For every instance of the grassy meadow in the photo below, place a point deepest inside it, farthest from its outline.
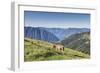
(36, 50)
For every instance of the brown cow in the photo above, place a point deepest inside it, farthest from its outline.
(59, 47)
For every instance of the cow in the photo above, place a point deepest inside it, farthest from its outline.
(59, 47)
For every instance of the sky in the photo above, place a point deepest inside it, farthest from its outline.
(56, 19)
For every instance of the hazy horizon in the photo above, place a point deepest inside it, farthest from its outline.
(56, 19)
(54, 27)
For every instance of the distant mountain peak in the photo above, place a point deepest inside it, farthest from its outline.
(59, 33)
(39, 34)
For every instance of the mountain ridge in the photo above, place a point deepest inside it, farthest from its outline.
(58, 33)
(40, 34)
(79, 42)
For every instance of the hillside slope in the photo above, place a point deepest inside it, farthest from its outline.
(36, 50)
(39, 34)
(61, 33)
(80, 42)
(51, 34)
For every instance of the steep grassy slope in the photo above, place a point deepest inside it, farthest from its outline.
(79, 42)
(35, 50)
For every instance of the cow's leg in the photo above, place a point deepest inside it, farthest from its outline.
(63, 48)
(60, 48)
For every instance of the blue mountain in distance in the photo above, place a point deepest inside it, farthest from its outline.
(39, 34)
(62, 33)
(51, 34)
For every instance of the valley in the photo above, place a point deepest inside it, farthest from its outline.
(42, 44)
